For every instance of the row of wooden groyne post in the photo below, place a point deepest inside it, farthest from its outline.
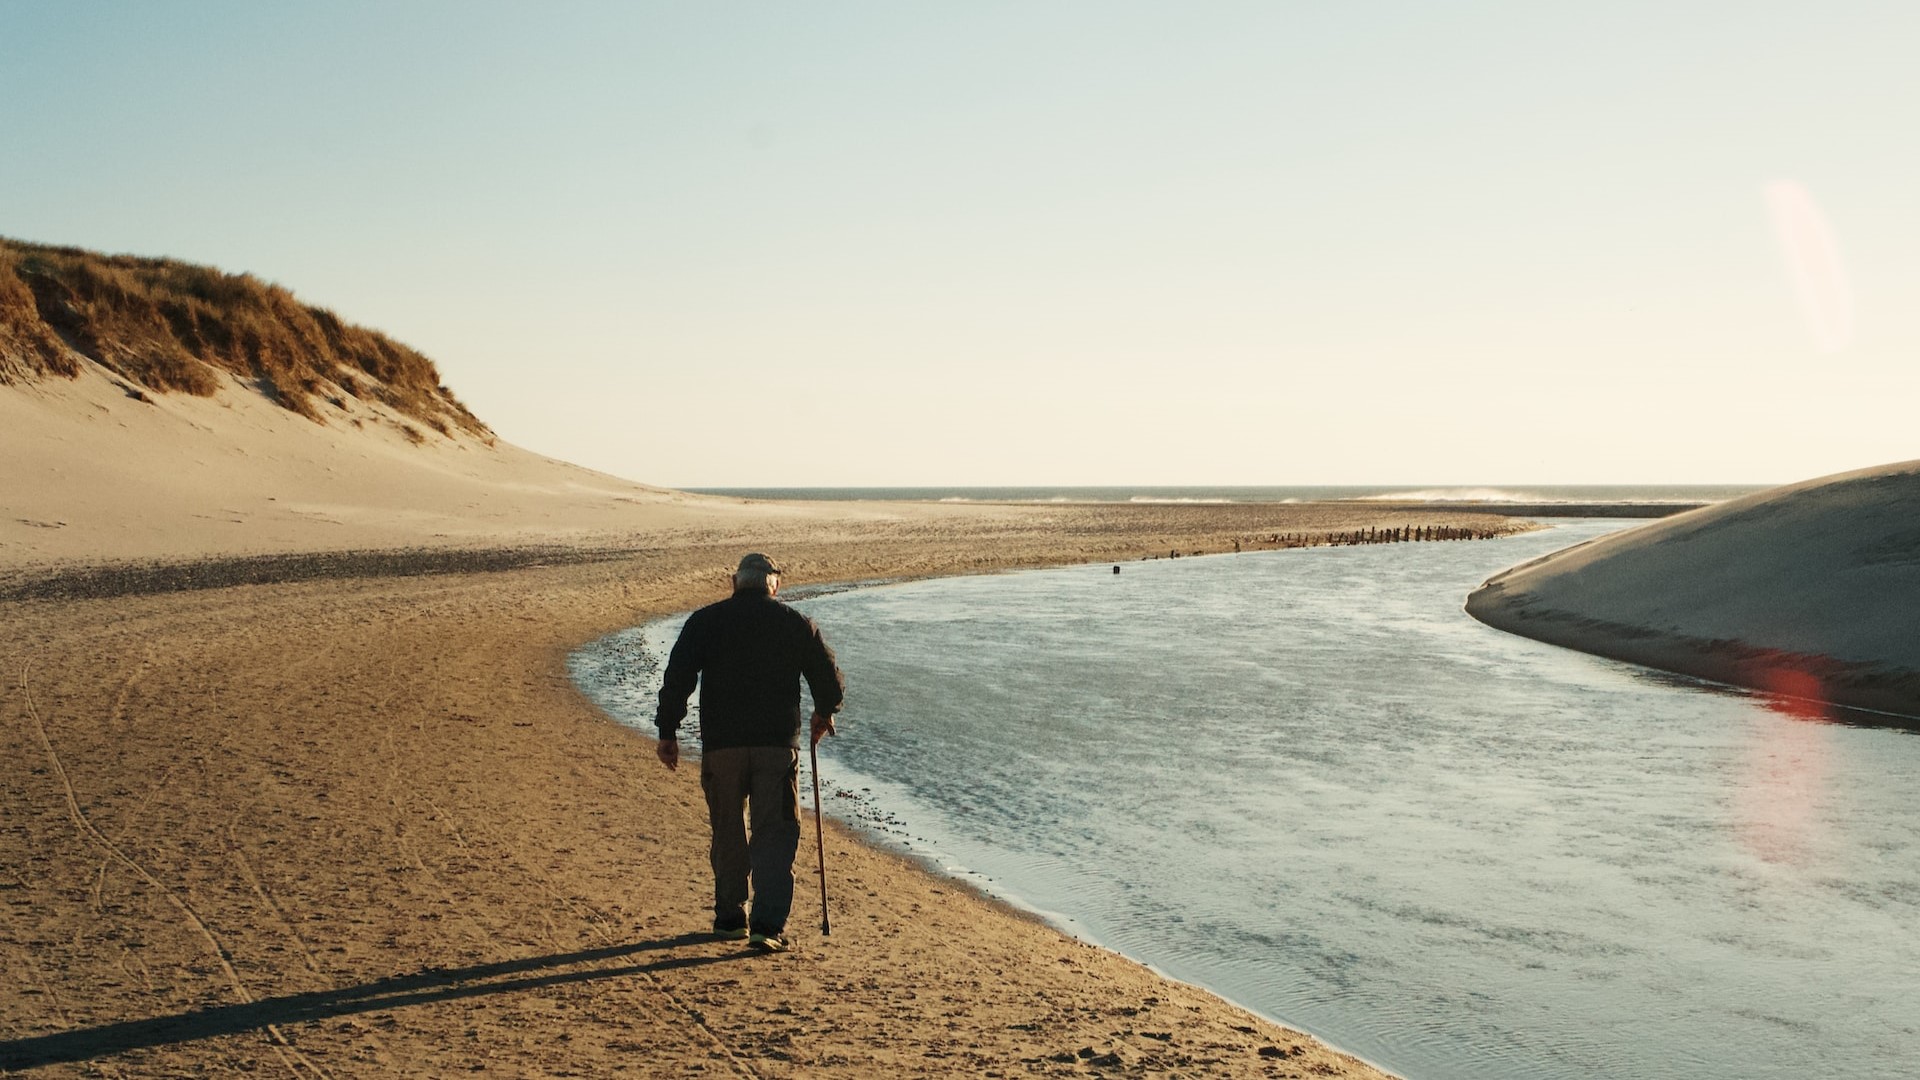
(1371, 535)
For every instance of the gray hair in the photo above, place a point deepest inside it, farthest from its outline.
(751, 578)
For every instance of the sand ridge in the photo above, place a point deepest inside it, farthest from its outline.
(1806, 591)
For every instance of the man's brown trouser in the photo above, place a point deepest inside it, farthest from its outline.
(761, 783)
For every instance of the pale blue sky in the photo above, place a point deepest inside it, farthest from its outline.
(882, 243)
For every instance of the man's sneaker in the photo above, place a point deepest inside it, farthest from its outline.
(768, 942)
(729, 933)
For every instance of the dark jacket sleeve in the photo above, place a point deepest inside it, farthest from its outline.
(683, 674)
(824, 681)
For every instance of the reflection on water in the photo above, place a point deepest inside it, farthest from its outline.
(1307, 780)
(1782, 779)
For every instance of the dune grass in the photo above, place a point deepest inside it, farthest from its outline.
(172, 327)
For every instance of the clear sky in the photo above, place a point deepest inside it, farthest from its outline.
(1381, 241)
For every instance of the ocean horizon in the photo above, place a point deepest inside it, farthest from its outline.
(1520, 494)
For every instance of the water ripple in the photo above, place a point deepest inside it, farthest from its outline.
(1306, 780)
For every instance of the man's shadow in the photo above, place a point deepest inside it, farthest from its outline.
(425, 987)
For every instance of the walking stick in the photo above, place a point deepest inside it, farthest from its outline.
(819, 834)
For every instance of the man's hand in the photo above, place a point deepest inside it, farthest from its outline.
(668, 751)
(822, 727)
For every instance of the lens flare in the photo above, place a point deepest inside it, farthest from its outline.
(1813, 262)
(1794, 691)
(1784, 778)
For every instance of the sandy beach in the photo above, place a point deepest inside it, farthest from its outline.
(325, 801)
(369, 825)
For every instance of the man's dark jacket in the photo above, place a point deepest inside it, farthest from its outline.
(748, 653)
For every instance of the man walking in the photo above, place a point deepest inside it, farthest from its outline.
(748, 653)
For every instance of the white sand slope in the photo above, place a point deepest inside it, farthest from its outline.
(92, 473)
(1810, 591)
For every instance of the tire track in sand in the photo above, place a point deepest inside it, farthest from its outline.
(238, 853)
(116, 716)
(398, 793)
(289, 1055)
(36, 977)
(596, 920)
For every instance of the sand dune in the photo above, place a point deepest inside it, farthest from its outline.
(96, 474)
(1810, 590)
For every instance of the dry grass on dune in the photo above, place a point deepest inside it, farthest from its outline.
(174, 327)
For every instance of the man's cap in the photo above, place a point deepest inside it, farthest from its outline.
(757, 563)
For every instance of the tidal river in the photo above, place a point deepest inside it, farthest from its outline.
(1308, 781)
